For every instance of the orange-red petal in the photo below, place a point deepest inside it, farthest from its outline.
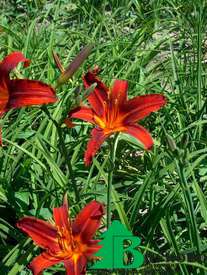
(96, 102)
(76, 266)
(100, 93)
(88, 221)
(43, 233)
(119, 92)
(25, 92)
(4, 95)
(91, 250)
(11, 61)
(141, 106)
(97, 138)
(62, 221)
(61, 216)
(42, 262)
(141, 134)
(83, 113)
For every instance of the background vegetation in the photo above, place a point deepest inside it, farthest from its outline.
(159, 46)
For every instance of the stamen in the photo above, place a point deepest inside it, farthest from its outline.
(105, 110)
(100, 122)
(113, 114)
(65, 239)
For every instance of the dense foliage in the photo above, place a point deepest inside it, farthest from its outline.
(159, 46)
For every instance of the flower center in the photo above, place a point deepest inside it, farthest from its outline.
(70, 246)
(109, 125)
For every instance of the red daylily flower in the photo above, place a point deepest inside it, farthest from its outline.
(68, 242)
(16, 93)
(112, 112)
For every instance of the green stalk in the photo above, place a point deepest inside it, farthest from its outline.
(63, 151)
(199, 105)
(189, 205)
(199, 62)
(113, 145)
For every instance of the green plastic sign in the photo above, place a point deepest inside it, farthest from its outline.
(119, 249)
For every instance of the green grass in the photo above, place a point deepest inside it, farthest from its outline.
(159, 47)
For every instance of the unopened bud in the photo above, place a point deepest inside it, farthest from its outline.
(74, 65)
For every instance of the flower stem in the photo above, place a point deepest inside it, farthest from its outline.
(113, 145)
(64, 152)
